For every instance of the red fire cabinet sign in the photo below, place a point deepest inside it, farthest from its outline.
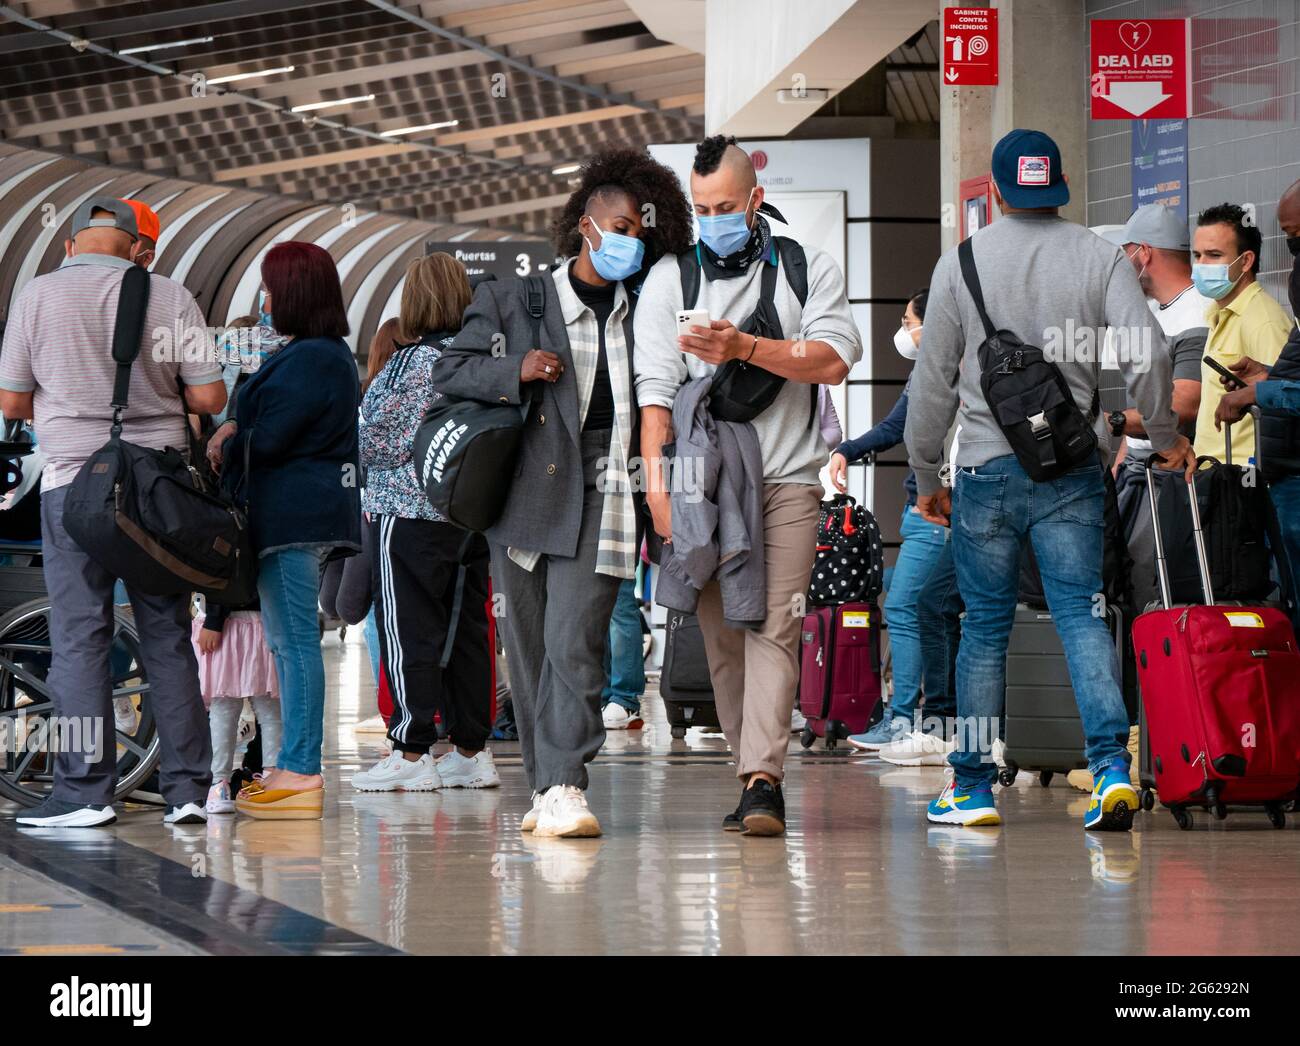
(1141, 68)
(970, 46)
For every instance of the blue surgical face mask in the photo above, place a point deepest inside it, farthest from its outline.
(263, 317)
(725, 234)
(1213, 281)
(618, 257)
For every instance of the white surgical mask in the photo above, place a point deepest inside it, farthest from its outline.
(903, 342)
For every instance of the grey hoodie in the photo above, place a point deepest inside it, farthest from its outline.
(1043, 278)
(717, 511)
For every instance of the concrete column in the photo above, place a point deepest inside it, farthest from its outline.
(965, 145)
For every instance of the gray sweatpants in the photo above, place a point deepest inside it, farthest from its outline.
(81, 635)
(555, 628)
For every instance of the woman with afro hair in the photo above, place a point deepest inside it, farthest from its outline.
(568, 535)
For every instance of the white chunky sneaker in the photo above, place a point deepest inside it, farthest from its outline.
(458, 771)
(565, 815)
(918, 749)
(616, 717)
(394, 773)
(529, 823)
(219, 799)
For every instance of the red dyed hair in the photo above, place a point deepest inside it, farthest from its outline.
(306, 298)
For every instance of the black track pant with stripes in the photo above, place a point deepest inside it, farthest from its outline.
(415, 570)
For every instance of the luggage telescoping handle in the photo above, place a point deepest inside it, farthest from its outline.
(1259, 443)
(1198, 538)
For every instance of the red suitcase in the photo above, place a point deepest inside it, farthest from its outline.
(1221, 696)
(839, 671)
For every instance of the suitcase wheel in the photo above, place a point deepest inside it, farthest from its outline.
(831, 742)
(1183, 817)
(807, 737)
(1045, 778)
(1006, 777)
(1276, 816)
(1147, 799)
(678, 732)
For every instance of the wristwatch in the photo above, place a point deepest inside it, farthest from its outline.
(1117, 421)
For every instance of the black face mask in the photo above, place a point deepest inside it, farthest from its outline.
(1293, 245)
(1293, 292)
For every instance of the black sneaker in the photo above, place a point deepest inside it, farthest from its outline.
(732, 822)
(762, 809)
(58, 813)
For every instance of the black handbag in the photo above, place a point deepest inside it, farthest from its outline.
(146, 515)
(465, 451)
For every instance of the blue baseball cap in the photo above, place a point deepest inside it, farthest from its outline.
(1027, 170)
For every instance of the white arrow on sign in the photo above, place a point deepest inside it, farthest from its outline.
(1136, 97)
(951, 75)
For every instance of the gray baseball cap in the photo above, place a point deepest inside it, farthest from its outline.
(123, 216)
(1155, 225)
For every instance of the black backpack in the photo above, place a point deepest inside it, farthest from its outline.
(850, 562)
(147, 516)
(463, 447)
(1028, 395)
(742, 391)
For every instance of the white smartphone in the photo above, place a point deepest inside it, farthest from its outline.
(688, 318)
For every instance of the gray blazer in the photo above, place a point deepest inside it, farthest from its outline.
(543, 511)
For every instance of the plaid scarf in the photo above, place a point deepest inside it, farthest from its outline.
(616, 552)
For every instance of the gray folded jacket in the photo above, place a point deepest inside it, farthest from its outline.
(716, 478)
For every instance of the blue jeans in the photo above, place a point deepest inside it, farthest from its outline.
(917, 653)
(938, 612)
(372, 642)
(994, 507)
(1286, 501)
(624, 663)
(287, 583)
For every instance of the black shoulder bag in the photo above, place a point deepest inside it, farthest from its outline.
(1028, 395)
(145, 515)
(463, 448)
(742, 391)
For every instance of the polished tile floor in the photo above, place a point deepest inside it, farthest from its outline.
(858, 872)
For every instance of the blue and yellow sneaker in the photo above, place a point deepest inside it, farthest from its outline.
(1114, 800)
(972, 808)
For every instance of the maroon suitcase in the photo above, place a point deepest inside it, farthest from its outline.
(839, 671)
(1220, 695)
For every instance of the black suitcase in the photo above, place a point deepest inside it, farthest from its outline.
(1043, 731)
(684, 682)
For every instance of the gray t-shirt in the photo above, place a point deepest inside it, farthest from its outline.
(58, 345)
(1183, 321)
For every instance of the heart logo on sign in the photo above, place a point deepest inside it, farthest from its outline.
(1134, 35)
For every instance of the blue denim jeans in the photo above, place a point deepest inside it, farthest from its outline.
(287, 583)
(995, 506)
(938, 612)
(917, 653)
(624, 664)
(372, 642)
(1286, 500)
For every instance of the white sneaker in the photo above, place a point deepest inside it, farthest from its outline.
(124, 716)
(457, 771)
(616, 717)
(797, 722)
(219, 799)
(529, 823)
(395, 773)
(190, 813)
(918, 749)
(565, 814)
(998, 750)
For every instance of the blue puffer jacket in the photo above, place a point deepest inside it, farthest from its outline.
(296, 418)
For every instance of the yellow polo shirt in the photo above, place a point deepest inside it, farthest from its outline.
(1253, 325)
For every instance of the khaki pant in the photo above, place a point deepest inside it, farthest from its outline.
(756, 672)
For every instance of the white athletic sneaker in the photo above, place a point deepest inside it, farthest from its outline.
(394, 773)
(219, 799)
(918, 749)
(457, 771)
(616, 717)
(190, 813)
(529, 822)
(124, 716)
(797, 721)
(998, 750)
(565, 814)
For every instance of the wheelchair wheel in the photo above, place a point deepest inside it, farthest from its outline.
(26, 764)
